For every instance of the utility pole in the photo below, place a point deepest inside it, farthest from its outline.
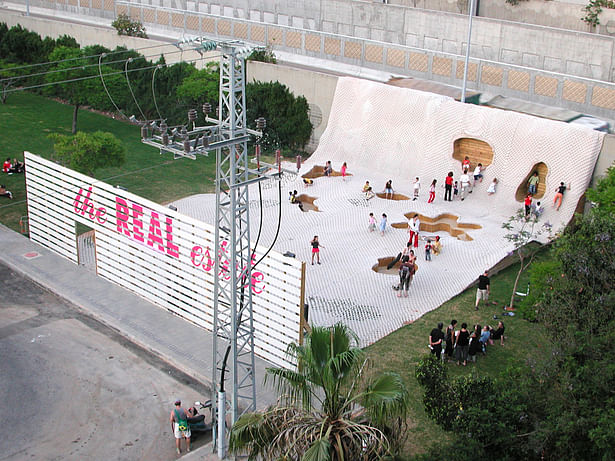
(227, 135)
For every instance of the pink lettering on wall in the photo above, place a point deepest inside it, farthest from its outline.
(87, 206)
(203, 260)
(144, 226)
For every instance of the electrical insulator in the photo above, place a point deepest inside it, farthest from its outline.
(206, 108)
(187, 145)
(205, 141)
(192, 115)
(165, 138)
(163, 127)
(261, 123)
(144, 132)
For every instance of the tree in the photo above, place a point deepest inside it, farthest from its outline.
(603, 195)
(70, 75)
(9, 76)
(200, 86)
(329, 411)
(263, 54)
(522, 232)
(288, 122)
(86, 152)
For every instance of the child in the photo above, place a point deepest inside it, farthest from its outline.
(383, 224)
(315, 249)
(432, 192)
(559, 195)
(308, 182)
(388, 189)
(528, 204)
(537, 209)
(428, 250)
(344, 172)
(328, 170)
(436, 247)
(478, 175)
(465, 165)
(367, 190)
(492, 186)
(455, 190)
(372, 223)
(417, 187)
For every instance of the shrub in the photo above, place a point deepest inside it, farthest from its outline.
(126, 26)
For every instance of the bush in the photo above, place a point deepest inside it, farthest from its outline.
(126, 26)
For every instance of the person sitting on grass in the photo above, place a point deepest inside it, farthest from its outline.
(5, 193)
(17, 167)
(485, 336)
(499, 333)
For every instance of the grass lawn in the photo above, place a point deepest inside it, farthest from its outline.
(401, 350)
(27, 119)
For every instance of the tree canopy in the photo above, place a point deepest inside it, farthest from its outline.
(86, 152)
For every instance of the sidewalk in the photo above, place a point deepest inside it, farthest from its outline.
(177, 341)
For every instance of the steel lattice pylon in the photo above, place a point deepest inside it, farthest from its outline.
(233, 330)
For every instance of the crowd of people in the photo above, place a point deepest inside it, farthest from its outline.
(464, 345)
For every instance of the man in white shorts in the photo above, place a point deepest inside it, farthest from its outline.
(482, 292)
(179, 426)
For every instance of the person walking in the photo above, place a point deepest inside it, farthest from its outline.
(316, 249)
(406, 270)
(432, 191)
(448, 187)
(559, 195)
(482, 291)
(436, 338)
(179, 426)
(532, 183)
(428, 248)
(372, 222)
(383, 224)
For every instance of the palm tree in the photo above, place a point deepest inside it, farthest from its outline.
(327, 410)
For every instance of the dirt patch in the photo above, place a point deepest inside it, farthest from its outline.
(395, 196)
(445, 222)
(318, 171)
(307, 203)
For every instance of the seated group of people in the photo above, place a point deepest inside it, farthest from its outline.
(15, 167)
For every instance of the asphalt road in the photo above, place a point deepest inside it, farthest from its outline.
(73, 389)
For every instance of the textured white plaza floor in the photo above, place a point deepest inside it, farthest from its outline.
(392, 133)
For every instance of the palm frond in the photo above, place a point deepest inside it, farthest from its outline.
(386, 398)
(319, 451)
(293, 386)
(250, 433)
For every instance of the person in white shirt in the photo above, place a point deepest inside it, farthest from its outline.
(478, 175)
(465, 184)
(417, 187)
(414, 226)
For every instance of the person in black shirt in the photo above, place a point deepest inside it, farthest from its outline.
(436, 337)
(559, 195)
(462, 344)
(483, 289)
